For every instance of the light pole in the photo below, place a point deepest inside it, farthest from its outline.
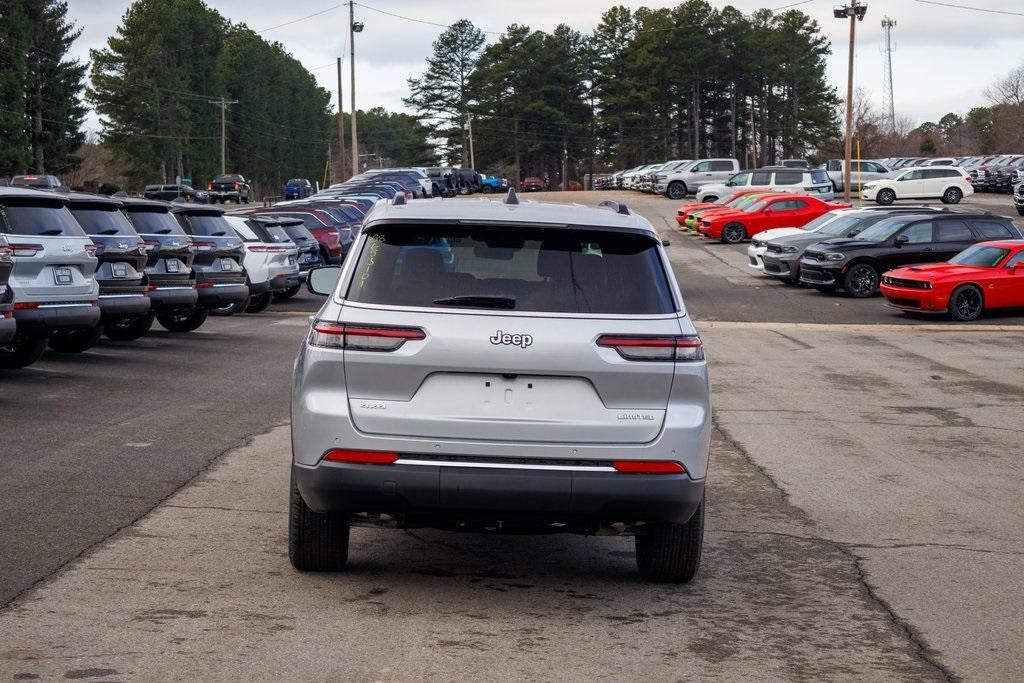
(854, 11)
(354, 27)
(223, 104)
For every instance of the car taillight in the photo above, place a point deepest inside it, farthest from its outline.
(5, 252)
(684, 349)
(149, 245)
(259, 248)
(200, 245)
(25, 305)
(236, 186)
(91, 249)
(648, 467)
(361, 457)
(361, 337)
(967, 178)
(209, 187)
(26, 249)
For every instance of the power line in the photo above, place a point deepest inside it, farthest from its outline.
(968, 7)
(295, 21)
(421, 21)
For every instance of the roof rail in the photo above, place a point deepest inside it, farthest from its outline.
(511, 197)
(617, 207)
(399, 199)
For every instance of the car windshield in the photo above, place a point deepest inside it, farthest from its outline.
(756, 206)
(209, 225)
(988, 257)
(154, 222)
(842, 225)
(97, 221)
(38, 218)
(523, 269)
(883, 230)
(823, 219)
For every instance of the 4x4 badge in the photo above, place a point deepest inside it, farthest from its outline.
(507, 339)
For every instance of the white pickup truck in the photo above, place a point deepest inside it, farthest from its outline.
(688, 179)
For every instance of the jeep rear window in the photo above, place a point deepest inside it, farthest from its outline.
(35, 217)
(97, 221)
(512, 268)
(154, 222)
(208, 225)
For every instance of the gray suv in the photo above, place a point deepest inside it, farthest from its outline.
(8, 326)
(53, 284)
(497, 366)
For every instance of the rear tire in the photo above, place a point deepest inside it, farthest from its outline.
(676, 190)
(966, 303)
(952, 195)
(183, 322)
(258, 304)
(670, 553)
(75, 341)
(317, 542)
(21, 352)
(487, 189)
(287, 293)
(128, 329)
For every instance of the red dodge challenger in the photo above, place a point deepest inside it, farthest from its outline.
(780, 211)
(984, 276)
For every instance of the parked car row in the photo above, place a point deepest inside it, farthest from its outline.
(76, 266)
(923, 259)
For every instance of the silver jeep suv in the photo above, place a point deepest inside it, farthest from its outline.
(53, 283)
(501, 366)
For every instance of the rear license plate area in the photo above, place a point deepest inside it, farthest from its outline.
(119, 270)
(173, 265)
(62, 275)
(227, 264)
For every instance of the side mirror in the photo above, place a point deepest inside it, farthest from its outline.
(902, 239)
(321, 280)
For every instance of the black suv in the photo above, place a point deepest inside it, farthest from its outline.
(856, 264)
(121, 273)
(170, 193)
(220, 278)
(169, 256)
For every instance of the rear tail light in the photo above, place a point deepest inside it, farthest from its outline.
(361, 337)
(236, 186)
(91, 249)
(200, 245)
(361, 457)
(209, 187)
(25, 305)
(150, 245)
(27, 249)
(648, 467)
(260, 248)
(683, 349)
(5, 252)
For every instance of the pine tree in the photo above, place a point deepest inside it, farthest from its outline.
(443, 95)
(14, 143)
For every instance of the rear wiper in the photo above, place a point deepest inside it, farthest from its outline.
(50, 232)
(478, 300)
(218, 234)
(162, 231)
(111, 231)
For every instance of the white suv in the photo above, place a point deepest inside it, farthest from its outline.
(948, 183)
(814, 182)
(502, 366)
(270, 266)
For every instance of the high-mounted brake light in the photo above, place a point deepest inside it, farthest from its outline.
(648, 467)
(684, 349)
(361, 457)
(361, 337)
(26, 249)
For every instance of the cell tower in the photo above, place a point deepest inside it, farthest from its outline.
(888, 103)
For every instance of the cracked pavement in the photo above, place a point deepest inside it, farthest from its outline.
(864, 522)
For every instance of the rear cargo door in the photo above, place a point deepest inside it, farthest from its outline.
(501, 330)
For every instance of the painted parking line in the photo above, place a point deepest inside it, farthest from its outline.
(852, 327)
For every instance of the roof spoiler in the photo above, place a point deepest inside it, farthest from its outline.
(399, 199)
(617, 207)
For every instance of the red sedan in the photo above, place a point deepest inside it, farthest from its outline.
(984, 276)
(686, 209)
(532, 184)
(779, 211)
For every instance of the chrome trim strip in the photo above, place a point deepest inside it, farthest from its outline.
(501, 466)
(85, 305)
(121, 296)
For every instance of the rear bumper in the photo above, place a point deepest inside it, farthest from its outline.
(452, 494)
(117, 306)
(257, 288)
(57, 316)
(284, 281)
(173, 298)
(8, 325)
(219, 295)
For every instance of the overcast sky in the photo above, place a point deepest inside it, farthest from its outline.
(944, 57)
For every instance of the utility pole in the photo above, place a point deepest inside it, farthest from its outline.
(340, 171)
(854, 11)
(354, 27)
(223, 104)
(565, 160)
(469, 130)
(888, 103)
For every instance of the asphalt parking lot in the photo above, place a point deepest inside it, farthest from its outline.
(864, 522)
